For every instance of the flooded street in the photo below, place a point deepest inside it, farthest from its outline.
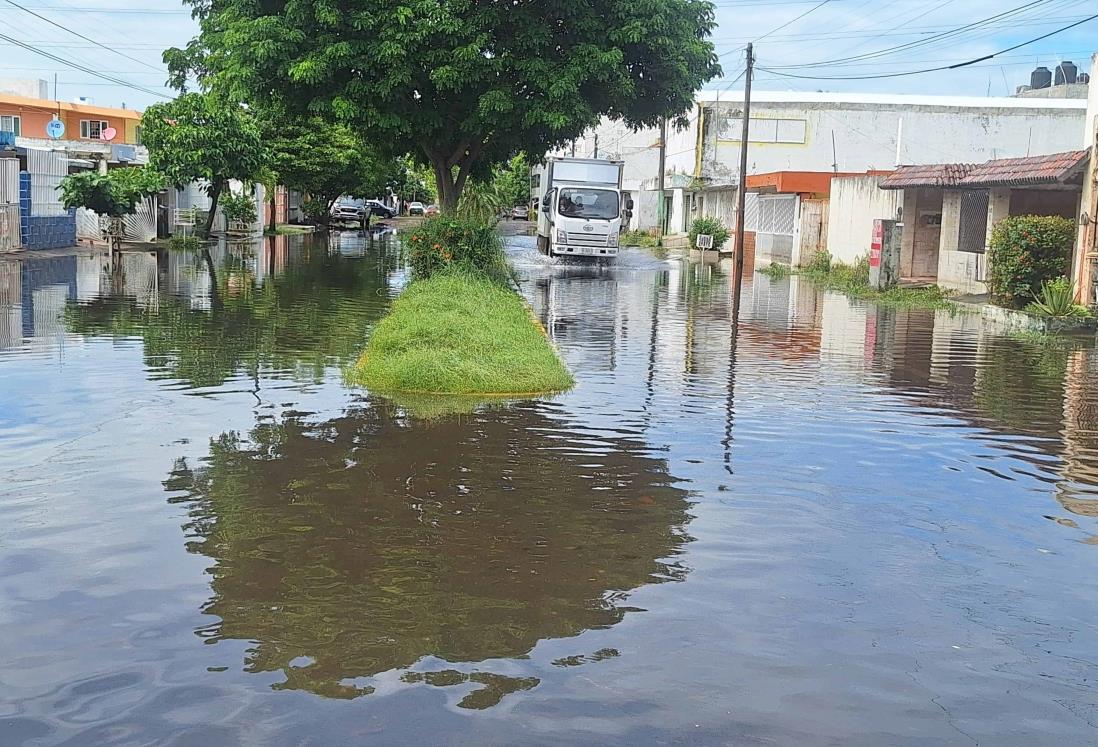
(842, 526)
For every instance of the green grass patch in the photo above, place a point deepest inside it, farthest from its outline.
(853, 281)
(457, 333)
(638, 238)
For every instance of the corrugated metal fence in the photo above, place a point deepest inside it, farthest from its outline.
(9, 204)
(47, 168)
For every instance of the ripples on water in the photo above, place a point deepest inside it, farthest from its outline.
(843, 525)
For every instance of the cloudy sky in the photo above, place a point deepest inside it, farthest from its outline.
(819, 44)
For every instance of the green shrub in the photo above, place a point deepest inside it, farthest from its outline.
(638, 238)
(115, 193)
(238, 208)
(449, 242)
(1026, 251)
(711, 227)
(1057, 299)
(820, 262)
(776, 271)
(184, 243)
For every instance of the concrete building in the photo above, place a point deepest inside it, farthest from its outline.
(1085, 260)
(949, 210)
(823, 132)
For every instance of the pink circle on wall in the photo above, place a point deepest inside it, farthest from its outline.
(108, 134)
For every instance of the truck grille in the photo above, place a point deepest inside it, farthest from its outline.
(586, 239)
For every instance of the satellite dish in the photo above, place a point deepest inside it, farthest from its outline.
(55, 128)
(108, 134)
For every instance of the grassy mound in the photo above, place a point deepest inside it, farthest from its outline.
(460, 334)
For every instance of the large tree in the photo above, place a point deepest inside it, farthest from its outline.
(201, 137)
(325, 160)
(465, 84)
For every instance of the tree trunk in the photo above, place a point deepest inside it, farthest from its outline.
(215, 194)
(274, 213)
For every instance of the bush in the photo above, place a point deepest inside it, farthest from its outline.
(1057, 299)
(238, 208)
(820, 262)
(1026, 251)
(448, 242)
(115, 193)
(708, 226)
(638, 238)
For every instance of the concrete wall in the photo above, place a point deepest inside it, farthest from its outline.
(865, 129)
(855, 202)
(1082, 268)
(960, 271)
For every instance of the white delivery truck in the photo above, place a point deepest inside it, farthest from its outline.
(580, 211)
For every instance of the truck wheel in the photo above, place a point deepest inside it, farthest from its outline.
(543, 245)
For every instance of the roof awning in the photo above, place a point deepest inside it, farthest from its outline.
(1057, 169)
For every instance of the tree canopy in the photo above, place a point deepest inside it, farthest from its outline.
(325, 160)
(465, 84)
(200, 137)
(115, 193)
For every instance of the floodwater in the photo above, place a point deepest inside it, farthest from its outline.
(842, 525)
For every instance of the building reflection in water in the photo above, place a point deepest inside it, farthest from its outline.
(364, 544)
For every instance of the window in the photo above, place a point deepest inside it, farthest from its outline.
(137, 135)
(769, 130)
(92, 129)
(588, 203)
(11, 123)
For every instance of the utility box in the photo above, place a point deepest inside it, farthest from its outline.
(884, 254)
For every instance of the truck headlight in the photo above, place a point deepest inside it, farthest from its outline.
(562, 237)
(612, 239)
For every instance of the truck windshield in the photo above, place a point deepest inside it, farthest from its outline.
(588, 203)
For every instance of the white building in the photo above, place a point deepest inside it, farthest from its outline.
(813, 131)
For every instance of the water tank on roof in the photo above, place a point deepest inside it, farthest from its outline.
(1040, 78)
(1083, 78)
(1066, 72)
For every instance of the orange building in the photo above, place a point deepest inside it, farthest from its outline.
(27, 117)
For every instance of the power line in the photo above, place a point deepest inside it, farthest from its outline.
(933, 69)
(793, 20)
(77, 66)
(81, 36)
(923, 42)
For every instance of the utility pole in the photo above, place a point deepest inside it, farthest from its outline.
(659, 186)
(596, 145)
(741, 198)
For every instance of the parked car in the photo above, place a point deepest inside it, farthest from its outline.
(379, 208)
(432, 209)
(416, 208)
(520, 212)
(348, 209)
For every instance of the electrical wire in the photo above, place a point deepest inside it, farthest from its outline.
(923, 42)
(85, 38)
(81, 68)
(932, 69)
(791, 21)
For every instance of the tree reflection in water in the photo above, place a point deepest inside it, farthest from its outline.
(365, 543)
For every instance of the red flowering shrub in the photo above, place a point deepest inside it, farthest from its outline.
(447, 242)
(1026, 251)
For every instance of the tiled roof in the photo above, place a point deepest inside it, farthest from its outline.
(930, 175)
(1004, 172)
(1057, 168)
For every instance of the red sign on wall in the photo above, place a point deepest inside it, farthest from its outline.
(878, 243)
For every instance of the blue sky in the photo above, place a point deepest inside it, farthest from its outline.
(837, 29)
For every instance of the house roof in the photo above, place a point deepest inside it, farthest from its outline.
(50, 105)
(1056, 168)
(927, 175)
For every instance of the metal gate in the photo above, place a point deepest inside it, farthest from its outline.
(9, 204)
(972, 236)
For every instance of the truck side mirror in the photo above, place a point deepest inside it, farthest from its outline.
(629, 205)
(628, 215)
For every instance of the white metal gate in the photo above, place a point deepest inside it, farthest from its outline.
(9, 204)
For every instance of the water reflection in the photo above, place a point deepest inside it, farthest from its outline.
(238, 309)
(358, 545)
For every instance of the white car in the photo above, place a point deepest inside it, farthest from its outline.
(416, 208)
